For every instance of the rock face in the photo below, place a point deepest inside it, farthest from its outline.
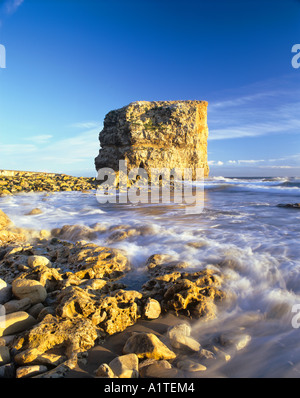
(156, 134)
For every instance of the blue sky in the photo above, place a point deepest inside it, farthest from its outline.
(68, 63)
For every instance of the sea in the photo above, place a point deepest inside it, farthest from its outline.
(241, 233)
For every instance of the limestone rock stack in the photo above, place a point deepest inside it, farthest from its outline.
(156, 134)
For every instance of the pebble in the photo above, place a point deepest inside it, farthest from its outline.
(35, 261)
(105, 371)
(29, 288)
(125, 366)
(180, 328)
(185, 343)
(221, 354)
(151, 367)
(34, 212)
(147, 345)
(16, 322)
(6, 340)
(152, 309)
(36, 309)
(17, 305)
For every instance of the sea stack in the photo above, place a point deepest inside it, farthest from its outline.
(156, 134)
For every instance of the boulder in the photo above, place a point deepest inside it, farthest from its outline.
(147, 345)
(153, 368)
(125, 366)
(179, 329)
(104, 371)
(17, 305)
(90, 261)
(179, 336)
(190, 366)
(185, 343)
(190, 294)
(152, 309)
(71, 335)
(35, 261)
(27, 288)
(34, 212)
(15, 322)
(119, 311)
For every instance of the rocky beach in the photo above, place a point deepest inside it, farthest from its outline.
(63, 305)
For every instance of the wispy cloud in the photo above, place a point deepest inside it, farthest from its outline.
(215, 163)
(8, 7)
(39, 139)
(264, 112)
(279, 167)
(52, 153)
(286, 162)
(86, 125)
(11, 6)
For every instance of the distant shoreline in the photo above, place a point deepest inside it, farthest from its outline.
(13, 182)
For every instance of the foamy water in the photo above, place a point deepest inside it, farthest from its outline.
(241, 232)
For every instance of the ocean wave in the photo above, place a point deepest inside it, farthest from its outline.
(272, 185)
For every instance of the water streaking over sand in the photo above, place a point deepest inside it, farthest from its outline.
(241, 232)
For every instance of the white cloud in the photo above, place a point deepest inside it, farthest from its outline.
(215, 163)
(279, 167)
(39, 139)
(263, 112)
(250, 161)
(87, 125)
(278, 125)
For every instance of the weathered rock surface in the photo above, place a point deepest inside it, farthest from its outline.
(30, 371)
(75, 336)
(156, 134)
(191, 294)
